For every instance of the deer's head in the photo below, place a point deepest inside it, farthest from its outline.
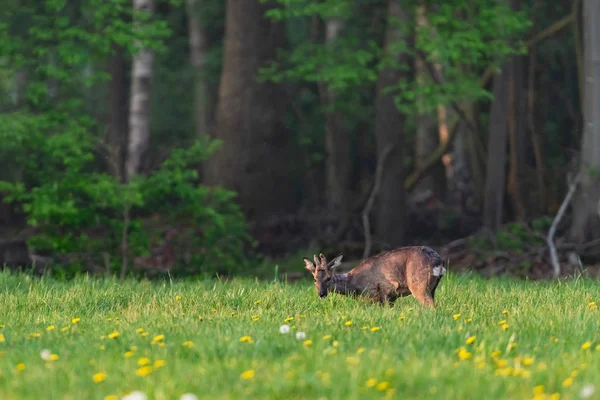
(323, 272)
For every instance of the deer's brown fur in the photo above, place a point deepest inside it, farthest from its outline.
(415, 270)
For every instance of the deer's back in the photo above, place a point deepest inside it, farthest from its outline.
(398, 265)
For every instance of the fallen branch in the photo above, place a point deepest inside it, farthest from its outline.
(365, 214)
(552, 231)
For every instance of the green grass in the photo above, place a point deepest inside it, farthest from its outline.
(415, 351)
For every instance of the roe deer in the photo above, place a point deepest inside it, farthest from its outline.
(415, 270)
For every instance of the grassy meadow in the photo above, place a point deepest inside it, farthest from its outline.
(488, 339)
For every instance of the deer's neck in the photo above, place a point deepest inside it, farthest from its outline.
(342, 284)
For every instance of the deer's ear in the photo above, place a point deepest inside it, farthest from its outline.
(309, 265)
(336, 262)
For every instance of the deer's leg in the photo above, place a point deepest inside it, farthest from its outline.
(421, 292)
(434, 286)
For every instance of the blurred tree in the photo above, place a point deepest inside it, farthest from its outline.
(586, 217)
(141, 89)
(254, 158)
(390, 127)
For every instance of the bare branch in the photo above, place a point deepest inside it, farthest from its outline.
(552, 231)
(365, 214)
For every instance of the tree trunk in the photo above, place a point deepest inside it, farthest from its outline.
(139, 109)
(495, 173)
(198, 46)
(250, 114)
(117, 118)
(389, 131)
(517, 138)
(428, 130)
(337, 140)
(586, 216)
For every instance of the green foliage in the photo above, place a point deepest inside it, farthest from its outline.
(58, 177)
(515, 237)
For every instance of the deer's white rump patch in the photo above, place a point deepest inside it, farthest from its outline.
(439, 271)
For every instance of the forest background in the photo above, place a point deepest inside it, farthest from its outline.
(205, 137)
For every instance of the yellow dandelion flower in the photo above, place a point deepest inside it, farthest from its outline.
(371, 382)
(348, 323)
(360, 350)
(159, 363)
(574, 373)
(144, 334)
(158, 338)
(504, 312)
(76, 320)
(189, 344)
(463, 354)
(139, 330)
(539, 389)
(20, 367)
(375, 329)
(111, 397)
(144, 361)
(50, 328)
(527, 361)
(307, 342)
(144, 371)
(161, 344)
(555, 396)
(99, 377)
(34, 335)
(502, 322)
(288, 319)
(246, 339)
(501, 363)
(504, 326)
(470, 340)
(113, 335)
(568, 382)
(2, 339)
(381, 386)
(592, 305)
(66, 328)
(504, 371)
(255, 318)
(129, 354)
(586, 345)
(249, 374)
(456, 316)
(257, 301)
(469, 320)
(326, 337)
(177, 298)
(53, 357)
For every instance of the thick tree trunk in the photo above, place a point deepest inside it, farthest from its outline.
(337, 140)
(117, 118)
(495, 173)
(586, 215)
(198, 46)
(428, 130)
(253, 159)
(389, 131)
(139, 109)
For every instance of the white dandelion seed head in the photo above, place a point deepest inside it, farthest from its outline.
(135, 395)
(188, 396)
(45, 354)
(284, 328)
(587, 391)
(300, 335)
